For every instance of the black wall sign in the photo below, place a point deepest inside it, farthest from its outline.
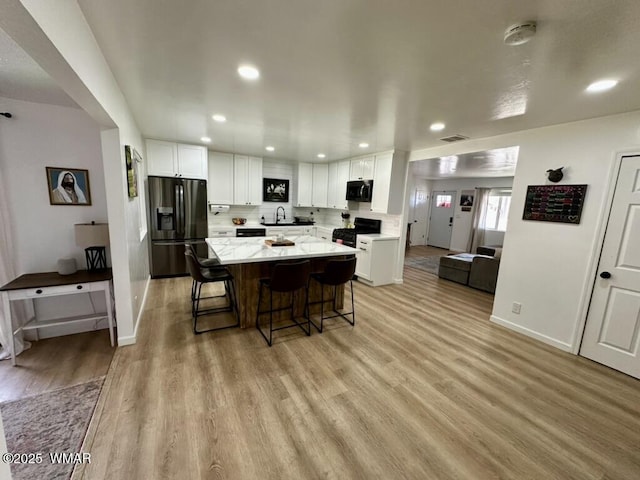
(554, 203)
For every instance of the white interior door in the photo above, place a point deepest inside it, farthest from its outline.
(419, 217)
(612, 331)
(441, 219)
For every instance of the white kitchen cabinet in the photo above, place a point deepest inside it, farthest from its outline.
(324, 233)
(312, 185)
(319, 194)
(362, 168)
(169, 159)
(337, 188)
(295, 230)
(222, 231)
(192, 161)
(305, 184)
(247, 180)
(376, 259)
(388, 182)
(221, 178)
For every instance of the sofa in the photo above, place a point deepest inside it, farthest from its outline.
(478, 270)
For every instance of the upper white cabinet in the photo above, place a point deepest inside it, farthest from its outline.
(169, 159)
(221, 181)
(234, 179)
(337, 189)
(304, 187)
(312, 185)
(247, 180)
(362, 168)
(388, 182)
(319, 192)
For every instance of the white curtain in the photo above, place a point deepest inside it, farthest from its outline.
(7, 273)
(476, 237)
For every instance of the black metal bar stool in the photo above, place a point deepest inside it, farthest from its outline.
(212, 274)
(336, 272)
(285, 277)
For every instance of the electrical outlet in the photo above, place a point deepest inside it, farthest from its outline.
(515, 308)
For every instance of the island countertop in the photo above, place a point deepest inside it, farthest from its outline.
(232, 250)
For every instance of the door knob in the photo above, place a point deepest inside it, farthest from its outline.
(605, 275)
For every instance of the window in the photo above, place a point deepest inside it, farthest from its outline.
(443, 201)
(497, 210)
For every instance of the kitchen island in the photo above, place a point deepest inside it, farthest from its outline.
(249, 259)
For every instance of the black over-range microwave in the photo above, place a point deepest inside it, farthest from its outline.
(360, 190)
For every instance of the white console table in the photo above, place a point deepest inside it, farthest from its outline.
(51, 284)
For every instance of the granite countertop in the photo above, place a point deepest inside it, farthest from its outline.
(232, 250)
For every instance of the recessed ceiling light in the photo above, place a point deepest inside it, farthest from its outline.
(364, 145)
(219, 118)
(321, 155)
(437, 127)
(269, 148)
(205, 139)
(249, 72)
(601, 85)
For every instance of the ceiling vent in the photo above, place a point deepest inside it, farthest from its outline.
(454, 138)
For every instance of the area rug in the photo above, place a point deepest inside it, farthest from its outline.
(49, 423)
(429, 264)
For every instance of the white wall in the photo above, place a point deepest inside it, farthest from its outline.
(550, 267)
(462, 220)
(58, 37)
(40, 136)
(36, 137)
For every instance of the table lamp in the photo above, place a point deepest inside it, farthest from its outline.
(94, 237)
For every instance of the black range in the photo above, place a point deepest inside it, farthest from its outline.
(348, 236)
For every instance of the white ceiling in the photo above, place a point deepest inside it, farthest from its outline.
(499, 162)
(338, 72)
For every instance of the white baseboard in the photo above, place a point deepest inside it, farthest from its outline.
(122, 341)
(530, 333)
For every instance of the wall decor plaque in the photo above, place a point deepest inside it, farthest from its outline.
(554, 203)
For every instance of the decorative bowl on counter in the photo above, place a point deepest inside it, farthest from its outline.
(239, 221)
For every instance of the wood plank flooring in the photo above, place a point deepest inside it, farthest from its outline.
(424, 387)
(56, 363)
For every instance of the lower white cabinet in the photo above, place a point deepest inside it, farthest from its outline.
(291, 230)
(376, 259)
(323, 232)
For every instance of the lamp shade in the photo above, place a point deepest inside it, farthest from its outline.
(92, 234)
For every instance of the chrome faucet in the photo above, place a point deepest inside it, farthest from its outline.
(284, 216)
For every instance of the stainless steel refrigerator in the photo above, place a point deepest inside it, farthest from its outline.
(178, 215)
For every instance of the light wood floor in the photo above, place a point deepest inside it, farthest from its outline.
(424, 387)
(56, 363)
(424, 251)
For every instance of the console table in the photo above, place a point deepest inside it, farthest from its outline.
(51, 284)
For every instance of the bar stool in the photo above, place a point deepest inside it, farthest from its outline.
(200, 276)
(285, 277)
(203, 263)
(336, 272)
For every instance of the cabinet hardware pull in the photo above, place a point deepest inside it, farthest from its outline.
(38, 291)
(79, 287)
